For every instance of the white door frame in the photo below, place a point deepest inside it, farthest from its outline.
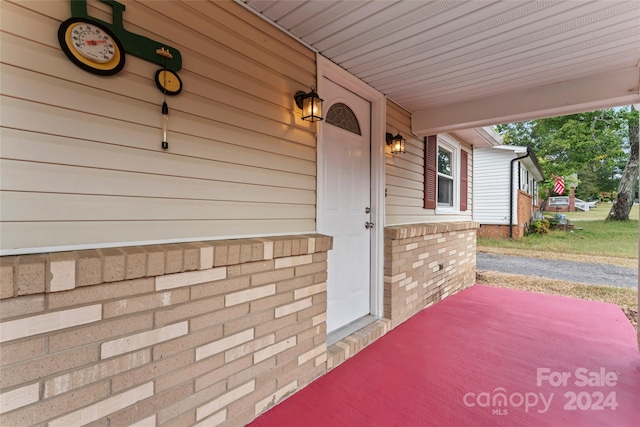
(328, 69)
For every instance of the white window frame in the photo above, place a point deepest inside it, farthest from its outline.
(451, 145)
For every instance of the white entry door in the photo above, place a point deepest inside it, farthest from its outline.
(344, 208)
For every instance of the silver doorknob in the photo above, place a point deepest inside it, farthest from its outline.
(368, 225)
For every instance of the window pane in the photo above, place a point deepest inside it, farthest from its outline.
(445, 191)
(444, 162)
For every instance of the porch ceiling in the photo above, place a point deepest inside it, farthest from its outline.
(462, 64)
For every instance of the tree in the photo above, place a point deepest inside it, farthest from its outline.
(590, 144)
(626, 190)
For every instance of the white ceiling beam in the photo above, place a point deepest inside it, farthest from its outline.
(605, 90)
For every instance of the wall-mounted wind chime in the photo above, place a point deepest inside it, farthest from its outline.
(99, 47)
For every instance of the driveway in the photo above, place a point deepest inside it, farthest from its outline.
(582, 272)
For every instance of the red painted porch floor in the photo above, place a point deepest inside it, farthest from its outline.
(453, 364)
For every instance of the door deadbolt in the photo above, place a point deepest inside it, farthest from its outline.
(367, 210)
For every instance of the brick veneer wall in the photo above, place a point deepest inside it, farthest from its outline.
(172, 335)
(425, 263)
(493, 231)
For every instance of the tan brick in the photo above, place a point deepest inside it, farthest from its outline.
(224, 344)
(155, 260)
(249, 347)
(238, 409)
(22, 350)
(87, 375)
(191, 254)
(188, 310)
(320, 318)
(249, 295)
(312, 311)
(19, 397)
(258, 251)
(6, 277)
(113, 264)
(62, 268)
(22, 306)
(293, 261)
(49, 322)
(274, 349)
(310, 290)
(274, 325)
(251, 268)
(220, 253)
(98, 332)
(150, 371)
(246, 248)
(144, 303)
(218, 317)
(271, 276)
(320, 256)
(270, 302)
(293, 352)
(186, 419)
(293, 307)
(31, 370)
(274, 398)
(245, 322)
(187, 373)
(293, 329)
(224, 286)
(187, 342)
(224, 400)
(233, 252)
(180, 413)
(104, 408)
(173, 261)
(142, 339)
(295, 283)
(214, 420)
(316, 267)
(251, 372)
(99, 293)
(189, 278)
(312, 333)
(205, 253)
(267, 251)
(131, 415)
(214, 382)
(50, 408)
(30, 274)
(135, 262)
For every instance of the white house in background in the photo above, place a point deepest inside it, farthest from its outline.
(505, 190)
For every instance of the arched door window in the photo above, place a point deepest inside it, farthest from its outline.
(342, 116)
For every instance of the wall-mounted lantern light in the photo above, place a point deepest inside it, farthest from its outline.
(396, 143)
(310, 104)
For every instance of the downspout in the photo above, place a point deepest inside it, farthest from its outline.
(511, 190)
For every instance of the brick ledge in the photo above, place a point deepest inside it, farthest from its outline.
(397, 232)
(61, 271)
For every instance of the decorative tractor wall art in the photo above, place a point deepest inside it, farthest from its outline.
(99, 47)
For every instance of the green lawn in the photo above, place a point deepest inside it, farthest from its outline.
(598, 238)
(599, 212)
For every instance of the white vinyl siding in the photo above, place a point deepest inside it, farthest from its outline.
(405, 176)
(491, 185)
(81, 162)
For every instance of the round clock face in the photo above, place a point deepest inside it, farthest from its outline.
(92, 42)
(91, 46)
